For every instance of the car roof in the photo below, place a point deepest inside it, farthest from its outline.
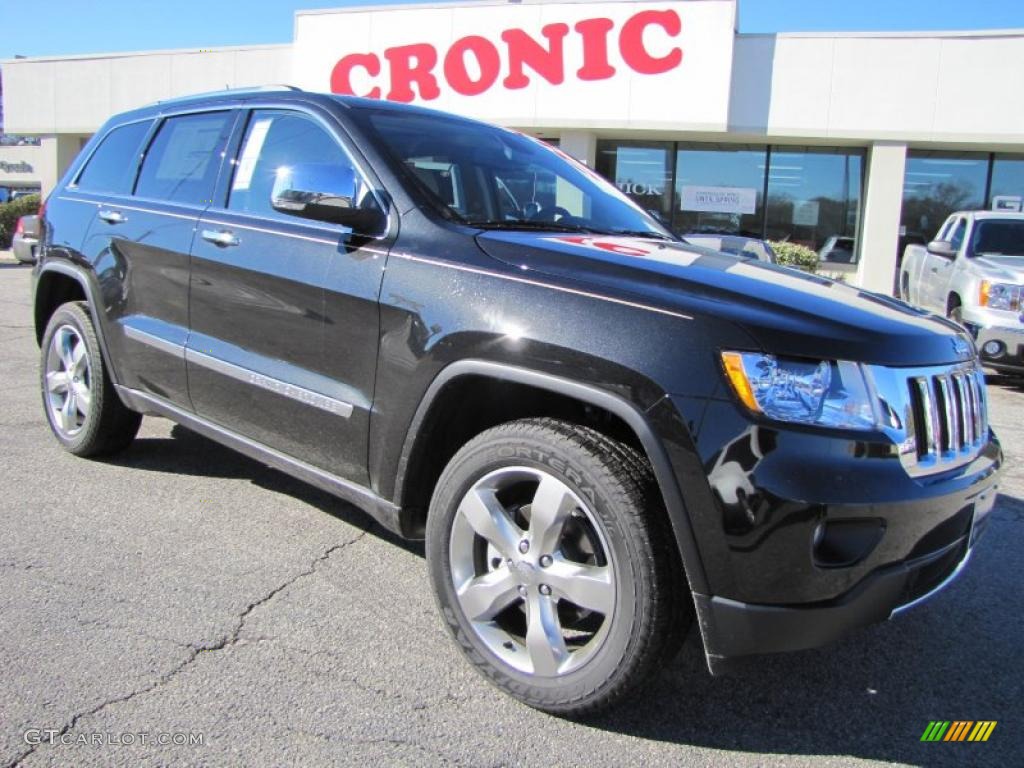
(1019, 216)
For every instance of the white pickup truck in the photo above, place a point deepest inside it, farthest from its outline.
(973, 272)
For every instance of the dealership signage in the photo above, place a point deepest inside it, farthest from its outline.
(19, 167)
(595, 64)
(718, 199)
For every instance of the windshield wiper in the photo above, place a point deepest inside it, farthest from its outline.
(638, 233)
(513, 224)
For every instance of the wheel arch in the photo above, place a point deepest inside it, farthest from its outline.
(953, 300)
(57, 283)
(632, 417)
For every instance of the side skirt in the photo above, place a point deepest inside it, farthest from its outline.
(382, 510)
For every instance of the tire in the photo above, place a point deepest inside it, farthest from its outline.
(905, 287)
(83, 410)
(604, 540)
(956, 313)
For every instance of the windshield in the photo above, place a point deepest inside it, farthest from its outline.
(998, 237)
(495, 178)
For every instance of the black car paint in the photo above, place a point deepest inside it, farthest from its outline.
(387, 323)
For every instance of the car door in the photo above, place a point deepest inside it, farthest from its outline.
(141, 240)
(284, 313)
(938, 270)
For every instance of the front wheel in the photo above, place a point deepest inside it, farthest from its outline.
(82, 408)
(550, 554)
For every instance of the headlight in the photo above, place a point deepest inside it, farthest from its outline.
(826, 393)
(999, 296)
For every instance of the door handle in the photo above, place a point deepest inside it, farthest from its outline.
(111, 217)
(222, 238)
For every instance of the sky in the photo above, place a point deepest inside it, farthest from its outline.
(100, 26)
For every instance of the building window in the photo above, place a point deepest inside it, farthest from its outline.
(937, 184)
(814, 199)
(813, 193)
(643, 171)
(1007, 192)
(719, 188)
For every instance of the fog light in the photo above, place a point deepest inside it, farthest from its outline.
(842, 543)
(993, 348)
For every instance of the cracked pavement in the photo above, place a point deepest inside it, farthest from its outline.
(183, 588)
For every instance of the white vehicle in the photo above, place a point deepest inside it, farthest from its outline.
(973, 273)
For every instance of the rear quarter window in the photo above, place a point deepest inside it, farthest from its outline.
(182, 163)
(112, 166)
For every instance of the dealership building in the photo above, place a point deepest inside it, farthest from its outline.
(854, 144)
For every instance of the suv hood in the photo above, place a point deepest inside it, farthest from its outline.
(1006, 268)
(787, 312)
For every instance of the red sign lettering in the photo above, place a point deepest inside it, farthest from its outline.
(473, 64)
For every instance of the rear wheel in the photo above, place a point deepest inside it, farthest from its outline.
(550, 556)
(82, 408)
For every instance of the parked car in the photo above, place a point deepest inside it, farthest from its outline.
(26, 239)
(735, 245)
(605, 435)
(973, 272)
(838, 250)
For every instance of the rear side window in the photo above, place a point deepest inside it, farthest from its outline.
(112, 165)
(181, 164)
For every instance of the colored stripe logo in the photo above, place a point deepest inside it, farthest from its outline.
(959, 730)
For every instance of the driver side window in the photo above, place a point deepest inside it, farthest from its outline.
(956, 236)
(279, 139)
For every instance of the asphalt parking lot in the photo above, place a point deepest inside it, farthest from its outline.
(183, 589)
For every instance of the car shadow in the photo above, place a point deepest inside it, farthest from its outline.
(870, 696)
(14, 265)
(1012, 383)
(188, 453)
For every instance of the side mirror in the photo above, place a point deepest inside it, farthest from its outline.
(324, 193)
(942, 248)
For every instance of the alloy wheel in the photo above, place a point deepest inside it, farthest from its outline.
(532, 571)
(68, 380)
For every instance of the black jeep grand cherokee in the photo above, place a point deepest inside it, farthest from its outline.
(601, 432)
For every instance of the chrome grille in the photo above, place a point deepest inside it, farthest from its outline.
(948, 416)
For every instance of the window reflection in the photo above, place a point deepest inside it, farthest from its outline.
(720, 189)
(935, 185)
(1007, 183)
(643, 171)
(814, 199)
(814, 193)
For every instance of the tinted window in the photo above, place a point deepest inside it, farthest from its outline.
(279, 139)
(497, 178)
(113, 163)
(182, 162)
(998, 238)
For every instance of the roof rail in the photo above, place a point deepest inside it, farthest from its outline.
(230, 92)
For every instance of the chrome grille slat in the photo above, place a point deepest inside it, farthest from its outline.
(931, 418)
(955, 412)
(948, 423)
(948, 444)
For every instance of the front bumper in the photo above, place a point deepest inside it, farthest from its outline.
(1005, 331)
(806, 536)
(739, 630)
